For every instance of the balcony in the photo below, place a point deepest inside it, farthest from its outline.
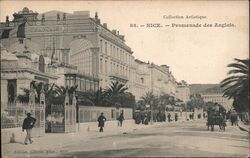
(118, 77)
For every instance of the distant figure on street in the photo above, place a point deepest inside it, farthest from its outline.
(192, 116)
(164, 117)
(101, 119)
(234, 119)
(28, 124)
(169, 117)
(176, 117)
(204, 115)
(120, 119)
(143, 118)
(146, 119)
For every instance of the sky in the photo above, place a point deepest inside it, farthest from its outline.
(194, 54)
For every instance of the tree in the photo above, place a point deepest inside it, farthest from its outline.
(37, 89)
(94, 98)
(54, 94)
(236, 85)
(114, 91)
(196, 101)
(148, 98)
(59, 94)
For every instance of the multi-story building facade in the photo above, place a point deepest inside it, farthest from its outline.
(154, 78)
(100, 54)
(218, 98)
(142, 79)
(162, 80)
(19, 69)
(183, 91)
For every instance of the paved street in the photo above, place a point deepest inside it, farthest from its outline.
(168, 139)
(162, 139)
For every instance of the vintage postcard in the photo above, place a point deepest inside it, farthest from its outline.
(124, 78)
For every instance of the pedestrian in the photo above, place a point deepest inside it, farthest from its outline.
(146, 119)
(164, 117)
(176, 117)
(28, 124)
(169, 116)
(101, 119)
(120, 119)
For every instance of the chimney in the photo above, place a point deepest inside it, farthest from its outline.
(64, 16)
(98, 21)
(105, 25)
(7, 21)
(58, 17)
(43, 19)
(114, 32)
(96, 16)
(121, 37)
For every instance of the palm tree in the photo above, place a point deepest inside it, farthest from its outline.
(37, 89)
(94, 98)
(114, 91)
(236, 86)
(60, 93)
(148, 98)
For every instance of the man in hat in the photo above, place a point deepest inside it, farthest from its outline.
(28, 124)
(101, 119)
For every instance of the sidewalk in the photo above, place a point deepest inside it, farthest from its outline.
(244, 127)
(52, 143)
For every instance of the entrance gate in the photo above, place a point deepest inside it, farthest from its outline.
(63, 117)
(38, 112)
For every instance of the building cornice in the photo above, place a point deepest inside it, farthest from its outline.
(30, 71)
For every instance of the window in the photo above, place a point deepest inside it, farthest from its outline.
(117, 53)
(111, 51)
(100, 65)
(11, 90)
(106, 48)
(106, 66)
(41, 64)
(101, 46)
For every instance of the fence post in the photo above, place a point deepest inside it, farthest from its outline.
(32, 100)
(66, 110)
(42, 113)
(74, 111)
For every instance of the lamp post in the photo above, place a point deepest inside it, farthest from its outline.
(78, 112)
(151, 109)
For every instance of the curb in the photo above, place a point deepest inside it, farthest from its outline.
(244, 128)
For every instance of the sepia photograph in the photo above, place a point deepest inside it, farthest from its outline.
(124, 78)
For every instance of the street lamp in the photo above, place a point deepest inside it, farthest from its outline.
(151, 109)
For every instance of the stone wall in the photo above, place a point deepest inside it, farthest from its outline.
(91, 113)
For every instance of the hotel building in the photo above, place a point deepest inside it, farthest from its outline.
(98, 54)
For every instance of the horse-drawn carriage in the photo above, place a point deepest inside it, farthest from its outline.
(216, 119)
